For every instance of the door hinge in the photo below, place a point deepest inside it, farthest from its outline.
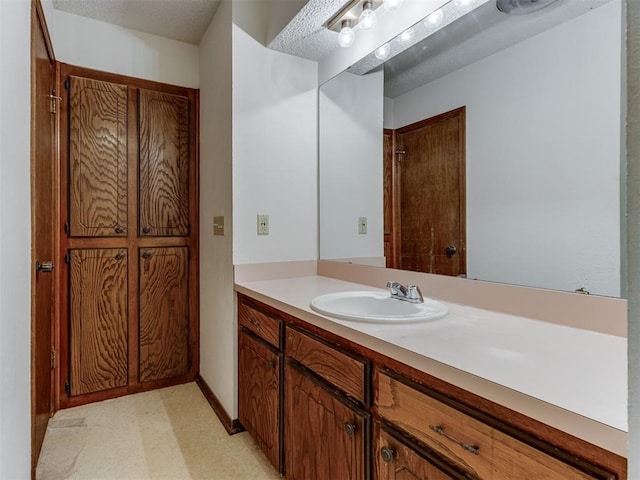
(189, 229)
(54, 101)
(189, 365)
(67, 83)
(66, 228)
(53, 359)
(67, 388)
(67, 257)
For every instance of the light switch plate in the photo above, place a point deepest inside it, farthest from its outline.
(263, 224)
(218, 225)
(362, 225)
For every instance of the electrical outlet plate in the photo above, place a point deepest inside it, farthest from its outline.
(362, 225)
(263, 224)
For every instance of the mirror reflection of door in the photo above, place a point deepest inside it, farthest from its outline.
(424, 201)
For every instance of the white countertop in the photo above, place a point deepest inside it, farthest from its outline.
(519, 362)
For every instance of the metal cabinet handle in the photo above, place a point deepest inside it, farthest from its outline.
(475, 449)
(119, 229)
(146, 229)
(450, 250)
(45, 267)
(119, 255)
(350, 428)
(388, 454)
(147, 254)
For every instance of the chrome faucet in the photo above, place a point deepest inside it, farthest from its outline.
(408, 294)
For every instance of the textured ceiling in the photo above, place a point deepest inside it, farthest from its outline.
(183, 20)
(305, 36)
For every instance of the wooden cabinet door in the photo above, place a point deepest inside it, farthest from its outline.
(259, 395)
(163, 312)
(325, 437)
(97, 158)
(164, 164)
(396, 461)
(98, 292)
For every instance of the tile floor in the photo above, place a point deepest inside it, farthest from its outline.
(169, 434)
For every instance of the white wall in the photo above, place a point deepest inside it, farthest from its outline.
(274, 153)
(350, 167)
(217, 321)
(89, 43)
(15, 240)
(543, 196)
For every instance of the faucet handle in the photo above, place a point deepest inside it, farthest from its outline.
(414, 293)
(397, 288)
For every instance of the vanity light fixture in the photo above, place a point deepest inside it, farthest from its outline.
(383, 52)
(434, 19)
(367, 18)
(392, 4)
(346, 37)
(407, 36)
(354, 13)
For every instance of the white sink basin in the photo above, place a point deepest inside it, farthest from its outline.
(377, 307)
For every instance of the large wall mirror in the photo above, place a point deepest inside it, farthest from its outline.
(518, 117)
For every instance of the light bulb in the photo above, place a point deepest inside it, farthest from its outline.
(367, 18)
(407, 35)
(346, 37)
(392, 4)
(434, 19)
(383, 52)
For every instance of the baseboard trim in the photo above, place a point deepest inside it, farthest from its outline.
(231, 426)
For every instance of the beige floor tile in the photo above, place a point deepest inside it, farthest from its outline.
(169, 434)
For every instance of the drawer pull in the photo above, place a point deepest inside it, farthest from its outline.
(388, 455)
(469, 448)
(350, 428)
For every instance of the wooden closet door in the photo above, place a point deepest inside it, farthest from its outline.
(98, 300)
(164, 313)
(164, 164)
(97, 158)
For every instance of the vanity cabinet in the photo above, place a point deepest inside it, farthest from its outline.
(325, 435)
(259, 394)
(394, 459)
(340, 410)
(474, 444)
(260, 380)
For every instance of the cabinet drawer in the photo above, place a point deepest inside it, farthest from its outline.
(347, 373)
(265, 326)
(478, 448)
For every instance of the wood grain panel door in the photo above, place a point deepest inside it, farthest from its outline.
(432, 208)
(325, 438)
(164, 312)
(164, 164)
(44, 186)
(259, 394)
(98, 291)
(97, 158)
